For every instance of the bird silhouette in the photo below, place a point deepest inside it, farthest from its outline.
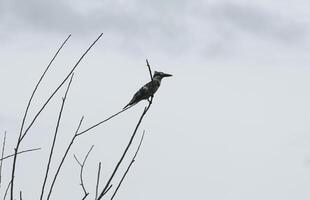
(148, 89)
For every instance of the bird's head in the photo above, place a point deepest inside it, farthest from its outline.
(160, 75)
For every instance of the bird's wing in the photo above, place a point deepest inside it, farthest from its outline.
(142, 93)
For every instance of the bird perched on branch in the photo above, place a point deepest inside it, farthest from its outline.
(148, 89)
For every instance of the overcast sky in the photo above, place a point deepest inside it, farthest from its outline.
(232, 123)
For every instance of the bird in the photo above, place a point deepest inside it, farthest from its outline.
(148, 90)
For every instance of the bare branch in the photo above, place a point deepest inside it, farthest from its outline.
(21, 152)
(2, 154)
(98, 178)
(7, 189)
(55, 137)
(81, 171)
(150, 71)
(104, 190)
(61, 84)
(141, 140)
(129, 166)
(20, 195)
(37, 85)
(77, 160)
(23, 134)
(107, 189)
(85, 196)
(25, 115)
(63, 159)
(107, 119)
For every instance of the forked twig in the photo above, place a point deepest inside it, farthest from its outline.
(108, 189)
(81, 171)
(63, 159)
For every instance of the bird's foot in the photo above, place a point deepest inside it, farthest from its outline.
(150, 99)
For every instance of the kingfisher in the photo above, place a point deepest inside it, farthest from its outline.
(149, 89)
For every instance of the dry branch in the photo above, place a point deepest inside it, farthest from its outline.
(129, 166)
(20, 195)
(81, 171)
(105, 120)
(6, 191)
(20, 152)
(149, 67)
(124, 153)
(60, 85)
(21, 134)
(2, 154)
(98, 179)
(55, 137)
(104, 190)
(63, 159)
(24, 131)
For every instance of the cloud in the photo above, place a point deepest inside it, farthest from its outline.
(176, 27)
(116, 17)
(259, 22)
(131, 24)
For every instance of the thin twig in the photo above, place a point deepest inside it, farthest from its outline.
(37, 85)
(63, 159)
(81, 171)
(98, 179)
(61, 84)
(85, 196)
(21, 152)
(6, 190)
(128, 168)
(20, 195)
(150, 71)
(77, 160)
(104, 190)
(55, 137)
(108, 189)
(2, 154)
(107, 119)
(25, 115)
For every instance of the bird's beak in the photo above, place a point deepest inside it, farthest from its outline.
(167, 75)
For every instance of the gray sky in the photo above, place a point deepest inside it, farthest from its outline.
(232, 123)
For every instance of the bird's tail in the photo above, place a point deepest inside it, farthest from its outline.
(126, 106)
(131, 103)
